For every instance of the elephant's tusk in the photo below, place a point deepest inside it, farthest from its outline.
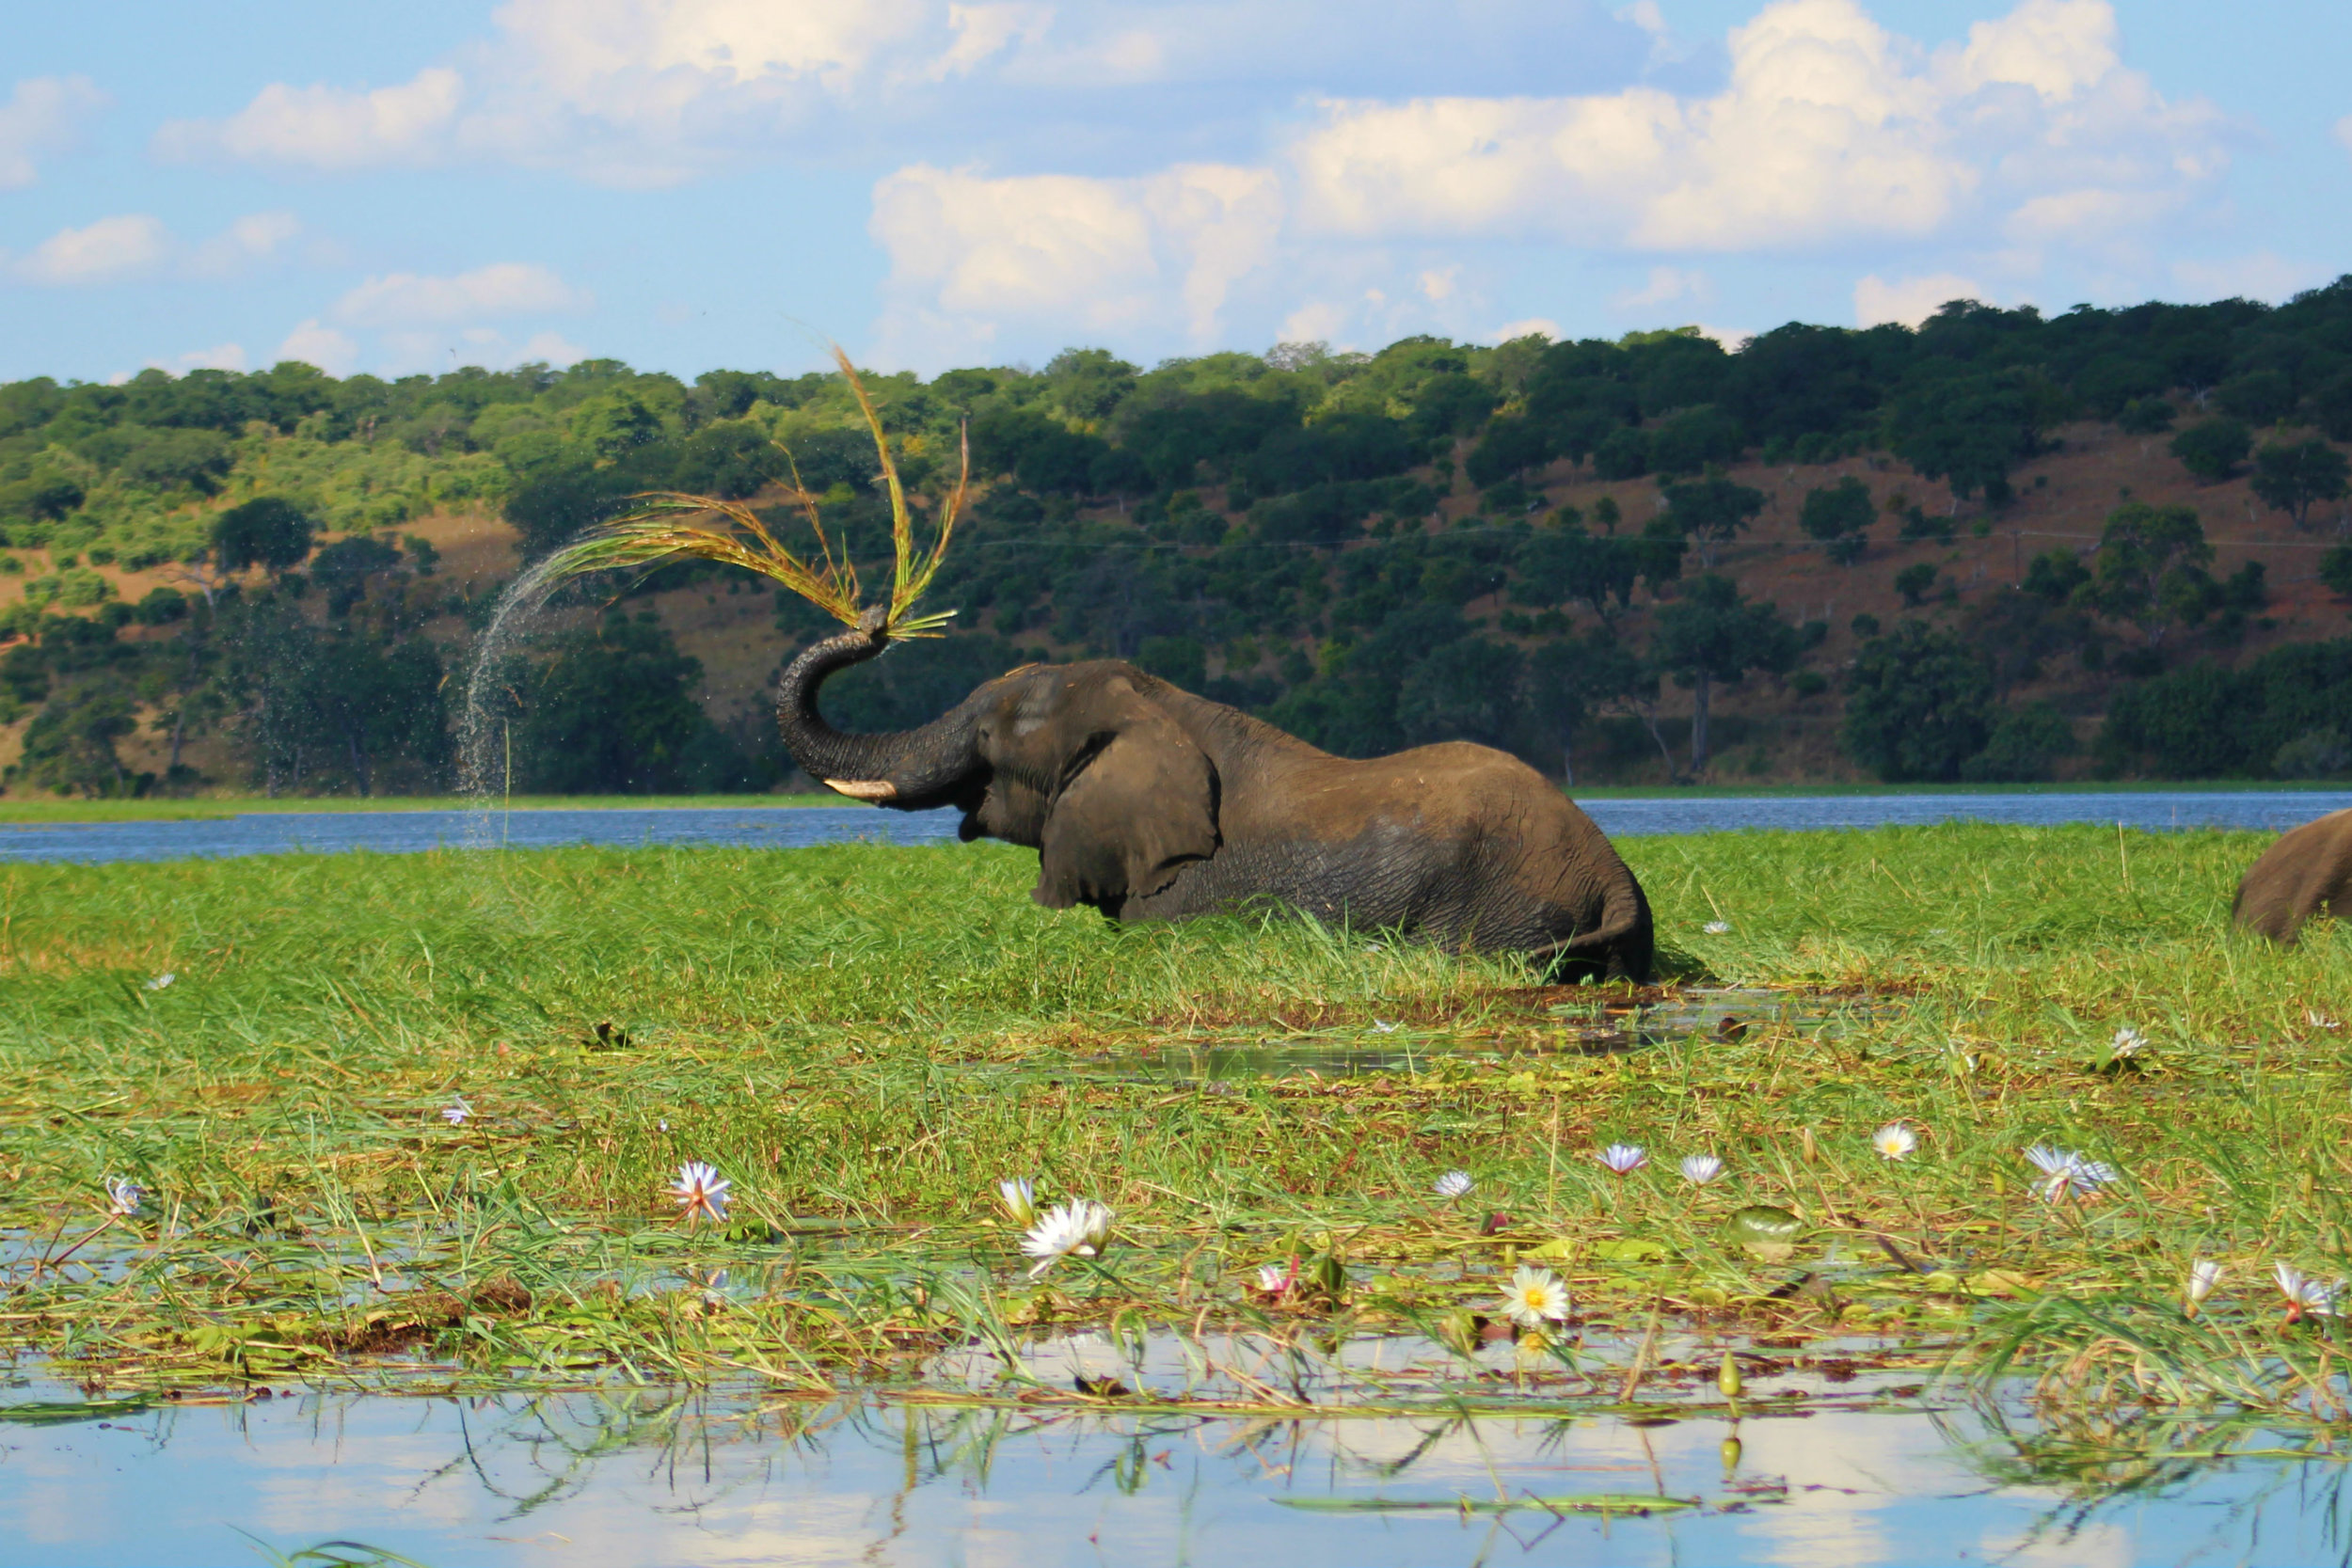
(864, 789)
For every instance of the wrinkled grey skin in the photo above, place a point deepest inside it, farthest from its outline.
(1150, 803)
(2307, 872)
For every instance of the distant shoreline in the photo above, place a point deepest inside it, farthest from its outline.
(34, 812)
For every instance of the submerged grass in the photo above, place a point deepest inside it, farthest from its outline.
(866, 1038)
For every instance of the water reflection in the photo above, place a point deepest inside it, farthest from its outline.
(658, 1477)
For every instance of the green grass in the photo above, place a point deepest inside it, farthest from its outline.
(864, 1038)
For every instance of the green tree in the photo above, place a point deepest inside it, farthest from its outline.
(2213, 451)
(69, 748)
(2055, 576)
(1971, 430)
(2335, 570)
(613, 712)
(1554, 567)
(2150, 569)
(1913, 581)
(269, 531)
(1569, 681)
(2293, 477)
(2023, 747)
(1840, 516)
(1713, 510)
(1916, 704)
(1710, 634)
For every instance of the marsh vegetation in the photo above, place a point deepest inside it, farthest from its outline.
(412, 1122)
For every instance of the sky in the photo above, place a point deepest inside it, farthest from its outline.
(688, 184)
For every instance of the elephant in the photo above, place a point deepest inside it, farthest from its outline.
(1150, 803)
(2308, 872)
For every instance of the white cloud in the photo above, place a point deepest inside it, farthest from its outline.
(628, 91)
(326, 128)
(503, 288)
(1908, 300)
(1830, 129)
(135, 246)
(2263, 276)
(1318, 323)
(983, 32)
(1533, 327)
(255, 238)
(314, 344)
(44, 115)
(408, 353)
(220, 357)
(1665, 286)
(1098, 255)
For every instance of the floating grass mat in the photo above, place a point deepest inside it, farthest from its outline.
(410, 1122)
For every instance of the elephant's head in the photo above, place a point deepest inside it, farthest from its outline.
(1082, 762)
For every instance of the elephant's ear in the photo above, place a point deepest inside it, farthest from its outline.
(1138, 804)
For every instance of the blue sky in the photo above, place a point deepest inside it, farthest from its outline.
(691, 184)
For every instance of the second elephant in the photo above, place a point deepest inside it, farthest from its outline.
(2307, 872)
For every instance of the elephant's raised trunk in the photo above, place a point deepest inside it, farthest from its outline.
(906, 769)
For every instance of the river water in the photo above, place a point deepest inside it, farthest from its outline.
(795, 827)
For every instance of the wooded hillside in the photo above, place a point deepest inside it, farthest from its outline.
(2001, 547)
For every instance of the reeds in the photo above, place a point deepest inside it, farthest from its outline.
(667, 525)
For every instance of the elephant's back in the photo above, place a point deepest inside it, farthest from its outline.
(2307, 871)
(1462, 843)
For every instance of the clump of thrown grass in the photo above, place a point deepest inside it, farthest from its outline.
(864, 1038)
(665, 527)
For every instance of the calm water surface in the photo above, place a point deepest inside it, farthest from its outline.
(650, 1477)
(793, 827)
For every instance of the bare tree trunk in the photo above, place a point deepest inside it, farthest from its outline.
(179, 727)
(358, 762)
(1567, 758)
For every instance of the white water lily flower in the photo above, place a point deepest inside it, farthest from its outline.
(1536, 1297)
(701, 1191)
(1623, 1158)
(2305, 1297)
(1699, 1169)
(456, 1111)
(2067, 1174)
(1380, 1028)
(123, 1194)
(159, 982)
(2128, 1042)
(1895, 1141)
(1081, 1227)
(1275, 1280)
(2204, 1274)
(1019, 1196)
(1716, 927)
(1453, 1183)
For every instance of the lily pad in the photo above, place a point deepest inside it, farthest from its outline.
(1631, 1249)
(1574, 1502)
(1766, 1231)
